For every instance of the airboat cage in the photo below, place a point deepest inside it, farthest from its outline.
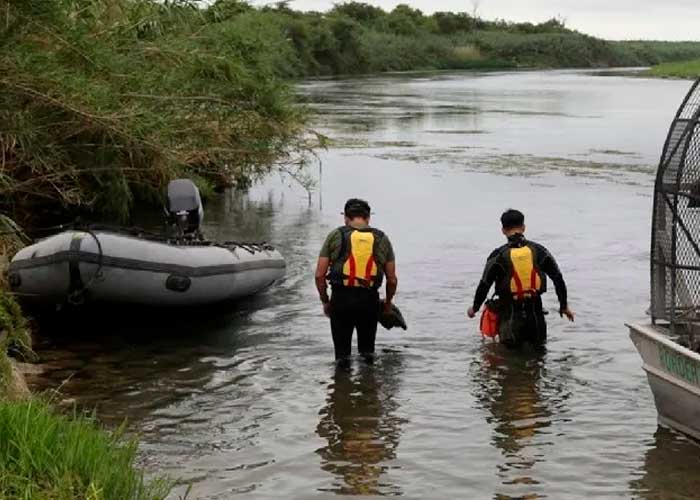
(675, 239)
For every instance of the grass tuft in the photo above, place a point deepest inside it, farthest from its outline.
(46, 455)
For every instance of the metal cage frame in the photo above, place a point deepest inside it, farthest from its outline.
(675, 238)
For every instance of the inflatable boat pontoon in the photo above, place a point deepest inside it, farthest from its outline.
(93, 265)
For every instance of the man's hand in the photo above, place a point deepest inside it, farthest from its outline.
(568, 313)
(327, 309)
(387, 306)
(471, 312)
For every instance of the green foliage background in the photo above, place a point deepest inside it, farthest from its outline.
(103, 101)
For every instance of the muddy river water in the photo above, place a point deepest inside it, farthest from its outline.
(247, 403)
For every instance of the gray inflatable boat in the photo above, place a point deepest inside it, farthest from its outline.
(95, 265)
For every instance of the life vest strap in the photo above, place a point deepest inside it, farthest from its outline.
(353, 270)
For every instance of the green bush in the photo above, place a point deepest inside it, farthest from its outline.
(645, 53)
(103, 101)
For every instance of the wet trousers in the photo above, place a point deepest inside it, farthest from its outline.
(522, 321)
(354, 309)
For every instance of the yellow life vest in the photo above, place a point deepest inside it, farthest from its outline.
(356, 265)
(525, 279)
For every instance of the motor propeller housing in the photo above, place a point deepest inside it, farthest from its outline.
(184, 206)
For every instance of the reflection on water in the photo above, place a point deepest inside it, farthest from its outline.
(670, 469)
(360, 424)
(144, 359)
(509, 123)
(522, 403)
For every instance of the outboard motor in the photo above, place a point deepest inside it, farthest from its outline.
(185, 207)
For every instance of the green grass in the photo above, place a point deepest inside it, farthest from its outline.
(686, 69)
(48, 456)
(649, 52)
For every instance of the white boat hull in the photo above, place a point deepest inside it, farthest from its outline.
(673, 372)
(128, 269)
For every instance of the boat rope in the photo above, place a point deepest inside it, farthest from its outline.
(77, 297)
(138, 232)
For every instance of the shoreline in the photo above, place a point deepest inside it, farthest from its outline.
(686, 70)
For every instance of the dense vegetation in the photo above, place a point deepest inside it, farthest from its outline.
(14, 330)
(103, 101)
(48, 456)
(649, 53)
(360, 38)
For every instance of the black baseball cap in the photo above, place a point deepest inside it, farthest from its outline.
(356, 207)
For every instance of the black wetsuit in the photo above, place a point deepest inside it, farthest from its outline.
(354, 308)
(520, 320)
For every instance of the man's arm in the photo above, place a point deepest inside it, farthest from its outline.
(324, 262)
(321, 272)
(490, 275)
(392, 282)
(482, 292)
(385, 252)
(551, 268)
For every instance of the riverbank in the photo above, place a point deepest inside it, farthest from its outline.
(14, 329)
(685, 70)
(346, 40)
(46, 455)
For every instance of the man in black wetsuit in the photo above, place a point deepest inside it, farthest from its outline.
(520, 269)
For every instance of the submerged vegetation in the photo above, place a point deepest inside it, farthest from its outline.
(45, 455)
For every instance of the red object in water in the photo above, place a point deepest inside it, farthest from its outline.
(489, 322)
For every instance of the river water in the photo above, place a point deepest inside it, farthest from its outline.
(247, 402)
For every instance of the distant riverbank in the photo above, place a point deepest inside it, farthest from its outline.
(686, 70)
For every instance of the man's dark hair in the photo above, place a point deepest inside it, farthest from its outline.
(355, 207)
(512, 219)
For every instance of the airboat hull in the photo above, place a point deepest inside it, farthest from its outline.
(673, 372)
(73, 267)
